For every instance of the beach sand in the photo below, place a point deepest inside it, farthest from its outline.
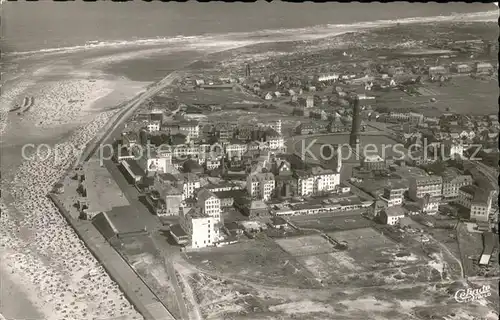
(15, 303)
(43, 261)
(42, 255)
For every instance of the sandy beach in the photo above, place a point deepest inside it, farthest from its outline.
(48, 272)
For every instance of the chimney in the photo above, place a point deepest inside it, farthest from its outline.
(356, 121)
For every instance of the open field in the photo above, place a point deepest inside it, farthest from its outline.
(480, 97)
(370, 259)
(220, 298)
(365, 238)
(305, 245)
(213, 96)
(257, 261)
(347, 220)
(141, 254)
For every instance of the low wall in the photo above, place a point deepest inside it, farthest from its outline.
(140, 303)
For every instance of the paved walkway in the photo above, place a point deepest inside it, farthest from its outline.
(130, 283)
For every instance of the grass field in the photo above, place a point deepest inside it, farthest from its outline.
(222, 97)
(306, 245)
(346, 221)
(462, 95)
(365, 238)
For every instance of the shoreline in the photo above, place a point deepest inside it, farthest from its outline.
(101, 126)
(324, 30)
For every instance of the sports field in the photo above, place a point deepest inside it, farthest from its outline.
(306, 245)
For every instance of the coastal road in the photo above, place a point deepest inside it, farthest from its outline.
(169, 252)
(114, 128)
(488, 171)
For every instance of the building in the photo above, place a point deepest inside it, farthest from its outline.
(478, 200)
(261, 186)
(452, 149)
(201, 228)
(461, 68)
(309, 102)
(190, 128)
(278, 223)
(328, 77)
(437, 71)
(224, 131)
(483, 68)
(201, 222)
(153, 126)
(308, 128)
(420, 186)
(393, 195)
(166, 200)
(224, 86)
(452, 182)
(374, 162)
(209, 203)
(399, 116)
(252, 208)
(227, 197)
(276, 126)
(415, 118)
(316, 181)
(135, 172)
(187, 183)
(286, 186)
(392, 215)
(428, 205)
(274, 140)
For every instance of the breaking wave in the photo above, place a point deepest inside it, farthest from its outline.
(265, 35)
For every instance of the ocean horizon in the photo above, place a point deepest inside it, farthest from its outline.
(47, 25)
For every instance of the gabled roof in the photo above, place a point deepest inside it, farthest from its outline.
(205, 194)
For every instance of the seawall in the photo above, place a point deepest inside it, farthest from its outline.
(130, 283)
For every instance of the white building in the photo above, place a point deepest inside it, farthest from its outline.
(328, 77)
(429, 205)
(317, 180)
(190, 183)
(422, 185)
(209, 203)
(453, 149)
(190, 128)
(477, 200)
(235, 148)
(261, 185)
(392, 215)
(325, 180)
(153, 126)
(393, 195)
(202, 222)
(452, 182)
(199, 227)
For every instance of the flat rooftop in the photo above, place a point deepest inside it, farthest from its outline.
(125, 219)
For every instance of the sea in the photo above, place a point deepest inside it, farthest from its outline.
(47, 25)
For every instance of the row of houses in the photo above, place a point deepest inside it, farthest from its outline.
(478, 68)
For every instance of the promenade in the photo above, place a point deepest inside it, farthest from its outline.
(136, 291)
(132, 285)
